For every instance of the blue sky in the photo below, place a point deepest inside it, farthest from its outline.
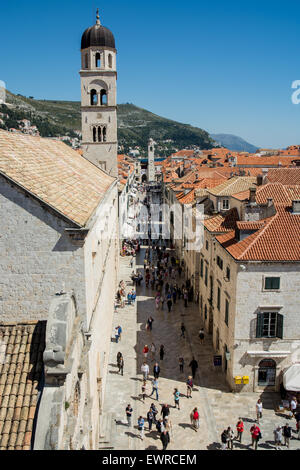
(225, 66)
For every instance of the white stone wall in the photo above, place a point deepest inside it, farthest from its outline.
(37, 258)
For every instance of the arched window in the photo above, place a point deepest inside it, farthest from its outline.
(103, 98)
(98, 60)
(110, 61)
(99, 134)
(266, 373)
(94, 134)
(86, 61)
(104, 134)
(94, 98)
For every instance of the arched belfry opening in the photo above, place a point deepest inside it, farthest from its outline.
(94, 98)
(98, 60)
(103, 97)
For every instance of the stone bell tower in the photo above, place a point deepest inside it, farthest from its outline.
(99, 97)
(151, 166)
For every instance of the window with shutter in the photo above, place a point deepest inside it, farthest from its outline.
(201, 268)
(259, 325)
(272, 283)
(279, 332)
(226, 311)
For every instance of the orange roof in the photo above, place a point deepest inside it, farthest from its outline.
(276, 238)
(220, 223)
(284, 175)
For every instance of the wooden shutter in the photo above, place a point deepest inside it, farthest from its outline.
(279, 332)
(259, 325)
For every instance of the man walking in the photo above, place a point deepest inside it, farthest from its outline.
(287, 434)
(141, 424)
(182, 330)
(154, 388)
(240, 429)
(129, 414)
(150, 419)
(194, 366)
(145, 370)
(255, 434)
(156, 370)
(165, 439)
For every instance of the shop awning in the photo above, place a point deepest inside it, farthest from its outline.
(291, 378)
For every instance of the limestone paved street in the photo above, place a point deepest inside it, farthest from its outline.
(218, 407)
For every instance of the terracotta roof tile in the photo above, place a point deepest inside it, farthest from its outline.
(55, 173)
(18, 392)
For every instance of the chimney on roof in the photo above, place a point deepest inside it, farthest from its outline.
(259, 180)
(269, 202)
(252, 198)
(296, 206)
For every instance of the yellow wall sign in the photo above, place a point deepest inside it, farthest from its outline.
(238, 379)
(245, 379)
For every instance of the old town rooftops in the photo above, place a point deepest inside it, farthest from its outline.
(276, 238)
(56, 174)
(233, 185)
(22, 347)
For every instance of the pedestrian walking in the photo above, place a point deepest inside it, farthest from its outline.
(297, 418)
(150, 419)
(153, 351)
(129, 298)
(162, 352)
(239, 429)
(189, 387)
(176, 398)
(165, 439)
(162, 300)
(293, 405)
(194, 416)
(278, 437)
(154, 411)
(117, 334)
(149, 323)
(185, 298)
(255, 434)
(259, 408)
(201, 335)
(145, 351)
(131, 262)
(145, 370)
(181, 364)
(224, 440)
(194, 366)
(287, 434)
(141, 424)
(144, 389)
(129, 412)
(165, 410)
(230, 437)
(121, 365)
(154, 388)
(156, 370)
(169, 304)
(182, 330)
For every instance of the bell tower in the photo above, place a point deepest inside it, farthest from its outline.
(98, 76)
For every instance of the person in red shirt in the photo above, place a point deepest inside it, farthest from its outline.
(255, 433)
(239, 429)
(145, 351)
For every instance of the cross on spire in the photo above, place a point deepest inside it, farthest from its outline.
(97, 17)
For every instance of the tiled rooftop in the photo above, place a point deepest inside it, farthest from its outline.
(21, 367)
(234, 185)
(55, 173)
(286, 176)
(276, 238)
(220, 223)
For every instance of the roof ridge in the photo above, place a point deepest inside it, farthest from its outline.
(259, 234)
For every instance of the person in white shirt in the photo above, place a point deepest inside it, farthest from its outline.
(145, 370)
(258, 410)
(293, 405)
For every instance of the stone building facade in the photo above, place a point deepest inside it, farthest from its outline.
(60, 237)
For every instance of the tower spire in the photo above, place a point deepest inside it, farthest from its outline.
(98, 17)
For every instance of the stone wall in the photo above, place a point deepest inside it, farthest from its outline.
(38, 259)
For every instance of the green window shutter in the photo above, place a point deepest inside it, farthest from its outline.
(259, 325)
(279, 332)
(268, 283)
(276, 283)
